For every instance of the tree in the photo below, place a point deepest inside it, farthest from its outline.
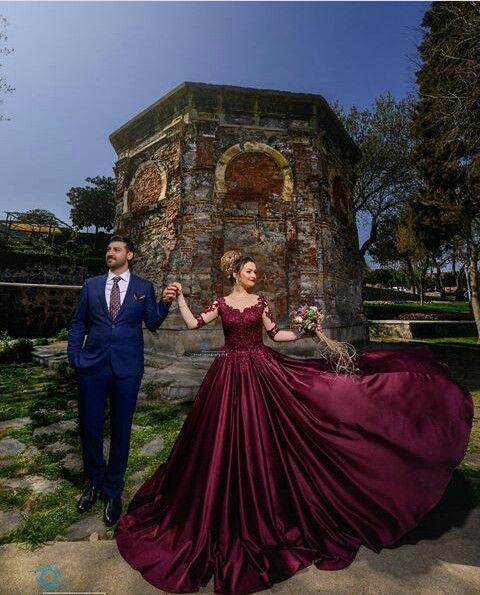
(411, 250)
(385, 172)
(38, 216)
(93, 205)
(4, 86)
(446, 125)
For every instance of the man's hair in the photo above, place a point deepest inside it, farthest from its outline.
(127, 241)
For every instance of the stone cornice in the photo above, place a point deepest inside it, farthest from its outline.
(206, 101)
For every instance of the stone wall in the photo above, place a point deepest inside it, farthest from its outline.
(211, 168)
(18, 267)
(28, 310)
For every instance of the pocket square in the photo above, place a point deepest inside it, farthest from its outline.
(138, 296)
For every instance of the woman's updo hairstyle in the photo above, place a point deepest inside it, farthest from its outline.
(232, 262)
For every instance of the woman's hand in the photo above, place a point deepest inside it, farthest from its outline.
(177, 286)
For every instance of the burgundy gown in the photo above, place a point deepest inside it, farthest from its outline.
(281, 464)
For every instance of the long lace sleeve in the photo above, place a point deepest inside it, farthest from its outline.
(268, 320)
(207, 315)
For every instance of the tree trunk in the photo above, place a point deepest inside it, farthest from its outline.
(411, 276)
(373, 237)
(441, 286)
(474, 288)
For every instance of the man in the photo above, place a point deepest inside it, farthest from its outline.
(111, 309)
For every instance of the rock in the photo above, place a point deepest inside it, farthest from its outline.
(83, 529)
(9, 520)
(11, 446)
(136, 480)
(56, 428)
(93, 536)
(36, 483)
(153, 447)
(73, 463)
(30, 452)
(18, 422)
(472, 459)
(58, 447)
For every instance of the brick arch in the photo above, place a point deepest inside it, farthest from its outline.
(147, 186)
(269, 158)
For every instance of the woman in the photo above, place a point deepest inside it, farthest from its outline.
(281, 463)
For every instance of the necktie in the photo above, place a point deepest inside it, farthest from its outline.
(115, 298)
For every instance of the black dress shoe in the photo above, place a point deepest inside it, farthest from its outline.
(89, 497)
(112, 510)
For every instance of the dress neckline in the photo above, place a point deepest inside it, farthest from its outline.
(241, 311)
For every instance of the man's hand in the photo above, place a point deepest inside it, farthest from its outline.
(169, 293)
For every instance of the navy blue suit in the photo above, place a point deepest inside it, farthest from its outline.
(110, 362)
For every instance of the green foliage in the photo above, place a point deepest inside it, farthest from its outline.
(62, 335)
(32, 257)
(385, 174)
(446, 126)
(40, 341)
(93, 205)
(386, 277)
(39, 217)
(14, 350)
(391, 310)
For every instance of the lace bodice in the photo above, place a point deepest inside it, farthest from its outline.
(243, 329)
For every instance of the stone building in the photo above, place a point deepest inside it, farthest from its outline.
(208, 168)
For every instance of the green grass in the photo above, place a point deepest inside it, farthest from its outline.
(389, 311)
(48, 517)
(43, 395)
(452, 341)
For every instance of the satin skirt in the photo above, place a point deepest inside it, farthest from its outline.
(281, 464)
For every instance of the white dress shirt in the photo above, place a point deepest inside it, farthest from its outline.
(122, 284)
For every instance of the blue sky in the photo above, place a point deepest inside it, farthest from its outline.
(82, 69)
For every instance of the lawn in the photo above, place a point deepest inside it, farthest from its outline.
(44, 398)
(390, 310)
(467, 341)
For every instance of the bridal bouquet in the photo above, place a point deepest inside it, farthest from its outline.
(308, 319)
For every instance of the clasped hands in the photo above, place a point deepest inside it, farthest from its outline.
(171, 292)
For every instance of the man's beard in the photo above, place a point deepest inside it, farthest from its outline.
(115, 263)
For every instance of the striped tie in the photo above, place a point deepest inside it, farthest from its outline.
(115, 298)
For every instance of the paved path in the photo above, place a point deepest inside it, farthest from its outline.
(427, 563)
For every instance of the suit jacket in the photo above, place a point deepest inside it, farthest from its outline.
(118, 341)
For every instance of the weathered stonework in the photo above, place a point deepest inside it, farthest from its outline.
(209, 168)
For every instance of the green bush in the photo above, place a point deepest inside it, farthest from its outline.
(62, 335)
(14, 350)
(41, 341)
(23, 260)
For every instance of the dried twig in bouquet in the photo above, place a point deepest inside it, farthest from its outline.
(342, 355)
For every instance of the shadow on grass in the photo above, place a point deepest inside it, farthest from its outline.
(451, 511)
(464, 364)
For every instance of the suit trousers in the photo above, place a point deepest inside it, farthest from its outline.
(93, 390)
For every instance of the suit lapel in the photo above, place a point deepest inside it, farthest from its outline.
(101, 294)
